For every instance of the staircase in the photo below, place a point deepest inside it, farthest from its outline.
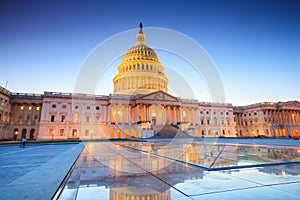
(168, 131)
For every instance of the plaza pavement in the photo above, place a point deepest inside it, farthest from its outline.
(36, 171)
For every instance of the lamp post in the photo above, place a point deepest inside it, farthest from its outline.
(16, 135)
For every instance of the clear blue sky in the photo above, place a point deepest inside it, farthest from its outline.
(254, 44)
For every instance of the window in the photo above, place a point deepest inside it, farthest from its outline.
(221, 113)
(207, 112)
(52, 118)
(88, 107)
(51, 132)
(63, 118)
(76, 107)
(97, 119)
(30, 108)
(87, 119)
(201, 112)
(97, 108)
(37, 108)
(53, 105)
(61, 132)
(2, 103)
(75, 117)
(226, 113)
(86, 133)
(208, 122)
(22, 107)
(36, 119)
(255, 113)
(64, 106)
(249, 114)
(74, 132)
(202, 121)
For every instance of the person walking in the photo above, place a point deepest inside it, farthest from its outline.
(24, 140)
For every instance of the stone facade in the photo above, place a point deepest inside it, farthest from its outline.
(268, 119)
(19, 115)
(139, 107)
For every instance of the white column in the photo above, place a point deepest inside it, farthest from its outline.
(123, 114)
(168, 114)
(180, 112)
(116, 114)
(163, 115)
(174, 111)
(108, 113)
(136, 113)
(144, 112)
(150, 113)
(129, 114)
(156, 113)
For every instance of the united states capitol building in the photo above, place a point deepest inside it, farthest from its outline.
(139, 108)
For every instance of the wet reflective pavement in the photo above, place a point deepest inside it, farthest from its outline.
(184, 170)
(36, 171)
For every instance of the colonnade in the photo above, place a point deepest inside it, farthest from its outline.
(157, 114)
(283, 116)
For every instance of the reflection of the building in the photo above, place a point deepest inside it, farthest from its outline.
(128, 173)
(270, 155)
(132, 170)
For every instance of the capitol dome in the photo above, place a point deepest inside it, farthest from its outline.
(140, 71)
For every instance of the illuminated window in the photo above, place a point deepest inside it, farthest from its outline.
(2, 103)
(37, 108)
(22, 107)
(51, 132)
(61, 132)
(74, 132)
(30, 108)
(36, 119)
(75, 117)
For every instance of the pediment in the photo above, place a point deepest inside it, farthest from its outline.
(157, 96)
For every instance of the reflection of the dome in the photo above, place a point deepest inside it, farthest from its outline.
(150, 170)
